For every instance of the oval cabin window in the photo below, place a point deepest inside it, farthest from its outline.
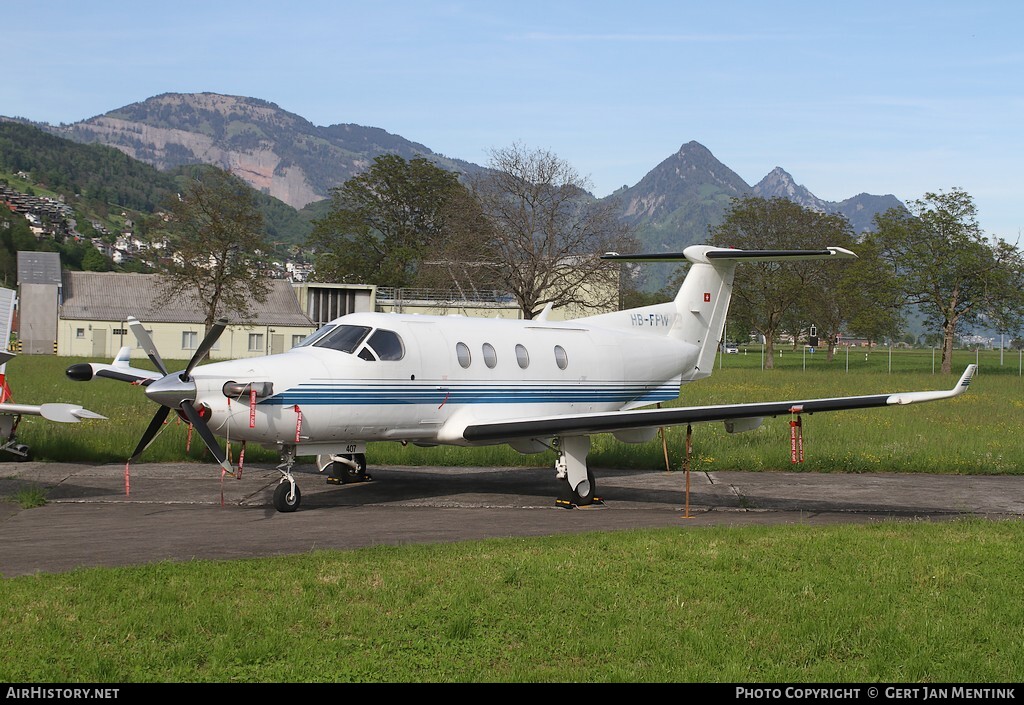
(462, 352)
(522, 356)
(490, 356)
(561, 359)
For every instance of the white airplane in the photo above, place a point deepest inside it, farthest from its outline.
(431, 380)
(11, 413)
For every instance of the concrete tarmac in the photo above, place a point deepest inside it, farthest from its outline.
(181, 512)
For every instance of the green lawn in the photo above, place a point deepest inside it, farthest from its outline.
(891, 602)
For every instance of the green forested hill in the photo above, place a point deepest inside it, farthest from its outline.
(101, 182)
(94, 175)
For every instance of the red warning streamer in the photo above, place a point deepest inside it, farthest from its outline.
(252, 407)
(298, 423)
(241, 461)
(796, 436)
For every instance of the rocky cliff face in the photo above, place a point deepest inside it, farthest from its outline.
(279, 153)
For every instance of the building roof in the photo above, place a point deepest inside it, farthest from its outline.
(38, 267)
(113, 296)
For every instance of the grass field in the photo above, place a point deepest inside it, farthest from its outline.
(978, 432)
(893, 602)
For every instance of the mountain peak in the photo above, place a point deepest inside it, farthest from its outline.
(778, 183)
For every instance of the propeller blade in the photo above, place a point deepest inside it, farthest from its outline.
(205, 433)
(151, 431)
(147, 343)
(204, 347)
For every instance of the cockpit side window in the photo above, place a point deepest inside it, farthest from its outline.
(387, 345)
(343, 338)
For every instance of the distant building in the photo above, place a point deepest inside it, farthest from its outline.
(84, 314)
(96, 306)
(40, 292)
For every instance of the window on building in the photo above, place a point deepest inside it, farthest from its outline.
(189, 340)
(297, 340)
(256, 342)
(80, 332)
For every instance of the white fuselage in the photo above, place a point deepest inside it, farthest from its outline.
(452, 372)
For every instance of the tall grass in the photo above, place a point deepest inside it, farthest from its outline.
(978, 432)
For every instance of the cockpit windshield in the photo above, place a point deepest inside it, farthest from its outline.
(314, 336)
(343, 338)
(382, 345)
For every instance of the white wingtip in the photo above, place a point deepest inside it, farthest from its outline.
(86, 414)
(915, 397)
(66, 413)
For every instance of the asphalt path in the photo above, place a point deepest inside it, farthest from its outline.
(181, 512)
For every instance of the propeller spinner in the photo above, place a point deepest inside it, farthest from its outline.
(177, 391)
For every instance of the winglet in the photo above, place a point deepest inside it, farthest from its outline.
(66, 413)
(960, 388)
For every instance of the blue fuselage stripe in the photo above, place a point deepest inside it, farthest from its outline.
(382, 395)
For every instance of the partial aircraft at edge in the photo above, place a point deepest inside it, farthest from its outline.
(433, 380)
(11, 413)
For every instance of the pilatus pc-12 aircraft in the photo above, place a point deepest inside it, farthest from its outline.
(431, 380)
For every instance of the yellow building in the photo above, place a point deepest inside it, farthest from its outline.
(95, 306)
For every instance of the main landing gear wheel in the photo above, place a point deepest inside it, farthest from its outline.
(285, 500)
(344, 474)
(583, 494)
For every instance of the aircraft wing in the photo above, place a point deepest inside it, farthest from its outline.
(585, 424)
(64, 413)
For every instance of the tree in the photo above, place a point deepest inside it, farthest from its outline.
(944, 264)
(547, 233)
(94, 261)
(865, 295)
(383, 222)
(216, 234)
(770, 297)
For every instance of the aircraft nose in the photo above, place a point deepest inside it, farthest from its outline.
(171, 391)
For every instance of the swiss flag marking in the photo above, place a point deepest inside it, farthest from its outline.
(707, 297)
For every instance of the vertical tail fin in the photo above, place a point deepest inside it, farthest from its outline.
(703, 299)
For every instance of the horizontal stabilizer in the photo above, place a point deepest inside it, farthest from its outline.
(699, 253)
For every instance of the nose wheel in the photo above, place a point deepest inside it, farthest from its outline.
(287, 496)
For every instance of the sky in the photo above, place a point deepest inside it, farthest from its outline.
(898, 97)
